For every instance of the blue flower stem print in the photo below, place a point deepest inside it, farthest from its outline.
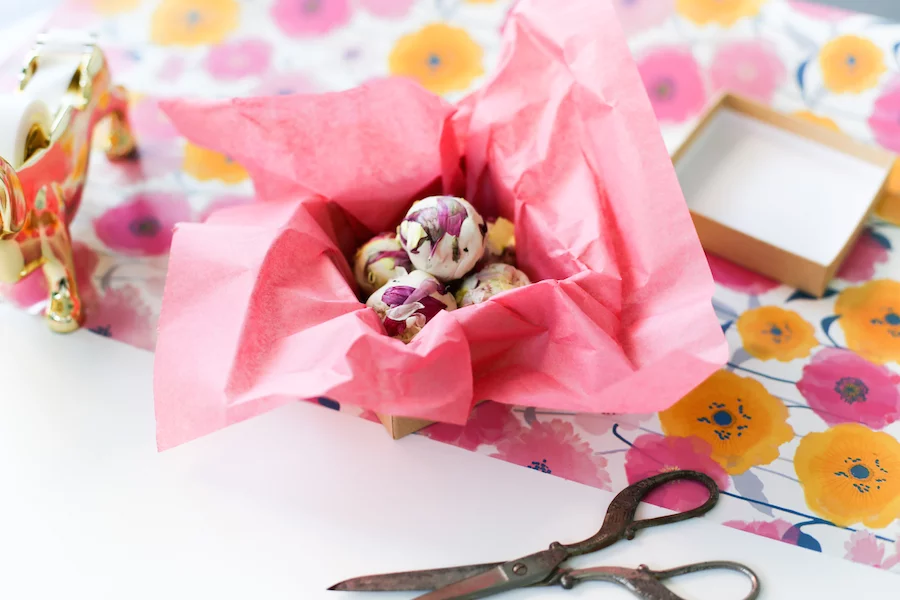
(810, 519)
(827, 322)
(777, 474)
(801, 83)
(801, 295)
(811, 522)
(879, 237)
(757, 373)
(822, 412)
(608, 452)
(447, 8)
(106, 279)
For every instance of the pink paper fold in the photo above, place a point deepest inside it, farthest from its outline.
(260, 305)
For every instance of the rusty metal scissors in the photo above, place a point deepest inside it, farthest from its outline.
(546, 568)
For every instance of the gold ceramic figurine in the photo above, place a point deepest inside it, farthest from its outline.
(46, 130)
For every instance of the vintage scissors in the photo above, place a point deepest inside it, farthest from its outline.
(545, 568)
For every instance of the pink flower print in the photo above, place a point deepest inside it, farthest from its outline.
(32, 292)
(222, 203)
(234, 60)
(387, 8)
(489, 423)
(172, 68)
(737, 278)
(86, 261)
(144, 225)
(779, 529)
(285, 84)
(674, 83)
(300, 18)
(75, 14)
(885, 118)
(871, 249)
(749, 68)
(817, 11)
(150, 124)
(27, 293)
(652, 454)
(122, 315)
(555, 448)
(603, 423)
(863, 547)
(120, 60)
(843, 387)
(154, 285)
(641, 15)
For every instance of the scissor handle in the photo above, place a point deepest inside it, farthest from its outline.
(619, 522)
(648, 585)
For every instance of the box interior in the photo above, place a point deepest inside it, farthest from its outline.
(776, 186)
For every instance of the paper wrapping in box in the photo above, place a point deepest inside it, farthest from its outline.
(260, 306)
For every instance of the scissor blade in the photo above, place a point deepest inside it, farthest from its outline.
(480, 586)
(412, 581)
(533, 569)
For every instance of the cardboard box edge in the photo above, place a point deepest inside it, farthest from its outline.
(802, 278)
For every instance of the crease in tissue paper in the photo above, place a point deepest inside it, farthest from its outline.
(261, 308)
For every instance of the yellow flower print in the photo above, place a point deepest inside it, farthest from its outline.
(440, 57)
(851, 64)
(726, 14)
(193, 22)
(812, 117)
(771, 332)
(893, 182)
(851, 474)
(889, 209)
(742, 422)
(204, 164)
(114, 7)
(870, 317)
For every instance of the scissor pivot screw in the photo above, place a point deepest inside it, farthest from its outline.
(520, 568)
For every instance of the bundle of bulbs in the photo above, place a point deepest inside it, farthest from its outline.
(443, 256)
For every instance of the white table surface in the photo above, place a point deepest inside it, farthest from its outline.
(285, 505)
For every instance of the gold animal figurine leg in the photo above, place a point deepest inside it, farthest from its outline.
(121, 144)
(65, 312)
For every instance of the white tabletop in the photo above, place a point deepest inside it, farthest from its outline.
(287, 504)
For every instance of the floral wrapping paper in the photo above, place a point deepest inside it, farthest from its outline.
(800, 429)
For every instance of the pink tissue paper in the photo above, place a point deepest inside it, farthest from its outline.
(261, 307)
